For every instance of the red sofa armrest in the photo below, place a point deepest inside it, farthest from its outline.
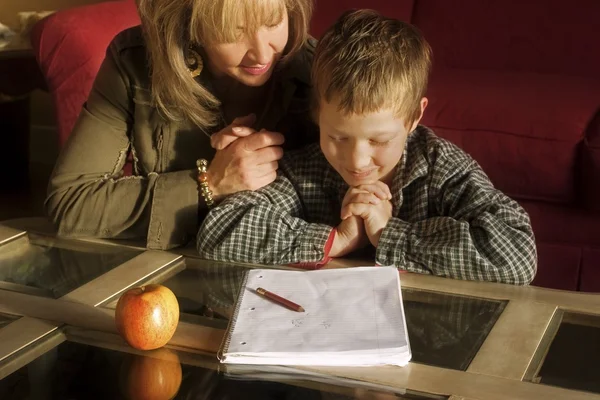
(70, 46)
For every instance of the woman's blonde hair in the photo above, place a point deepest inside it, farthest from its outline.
(171, 26)
(366, 62)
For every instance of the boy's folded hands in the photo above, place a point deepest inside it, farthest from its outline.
(372, 203)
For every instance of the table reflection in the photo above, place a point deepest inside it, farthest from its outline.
(444, 330)
(49, 268)
(81, 371)
(6, 319)
(572, 358)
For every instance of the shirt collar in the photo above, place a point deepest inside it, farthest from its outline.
(412, 166)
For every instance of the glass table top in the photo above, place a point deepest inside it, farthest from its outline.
(52, 269)
(81, 371)
(572, 358)
(6, 319)
(457, 331)
(444, 330)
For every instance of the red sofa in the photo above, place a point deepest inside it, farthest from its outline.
(70, 46)
(515, 84)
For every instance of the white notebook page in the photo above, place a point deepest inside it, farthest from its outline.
(355, 311)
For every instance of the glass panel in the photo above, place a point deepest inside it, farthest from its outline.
(444, 330)
(53, 268)
(207, 288)
(448, 330)
(572, 359)
(78, 371)
(6, 319)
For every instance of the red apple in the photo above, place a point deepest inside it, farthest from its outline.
(147, 316)
(154, 376)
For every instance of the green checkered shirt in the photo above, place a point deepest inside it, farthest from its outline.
(447, 217)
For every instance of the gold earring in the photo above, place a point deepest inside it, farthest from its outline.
(194, 62)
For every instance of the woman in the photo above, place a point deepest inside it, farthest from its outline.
(226, 81)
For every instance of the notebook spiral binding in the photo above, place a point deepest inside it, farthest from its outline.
(224, 348)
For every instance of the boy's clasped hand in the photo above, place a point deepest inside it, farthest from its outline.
(366, 210)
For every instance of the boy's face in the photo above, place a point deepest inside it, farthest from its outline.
(363, 148)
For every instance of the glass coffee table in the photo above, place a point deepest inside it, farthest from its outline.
(470, 340)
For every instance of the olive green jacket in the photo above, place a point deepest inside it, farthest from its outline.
(88, 195)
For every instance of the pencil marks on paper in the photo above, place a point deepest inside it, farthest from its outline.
(298, 322)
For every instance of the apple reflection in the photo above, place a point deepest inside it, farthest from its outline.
(156, 375)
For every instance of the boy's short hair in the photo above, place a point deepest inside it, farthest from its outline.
(367, 62)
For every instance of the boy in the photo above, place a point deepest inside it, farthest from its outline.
(378, 179)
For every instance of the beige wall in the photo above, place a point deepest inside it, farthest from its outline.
(10, 8)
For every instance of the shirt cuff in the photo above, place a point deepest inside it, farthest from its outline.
(326, 249)
(393, 243)
(174, 215)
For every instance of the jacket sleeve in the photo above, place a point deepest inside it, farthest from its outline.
(479, 233)
(87, 194)
(266, 226)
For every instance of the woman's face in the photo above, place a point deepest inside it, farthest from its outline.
(251, 59)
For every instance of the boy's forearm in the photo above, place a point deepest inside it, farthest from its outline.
(475, 232)
(260, 234)
(486, 249)
(340, 246)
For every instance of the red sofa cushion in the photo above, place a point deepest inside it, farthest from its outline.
(568, 244)
(564, 225)
(327, 11)
(70, 46)
(523, 128)
(590, 173)
(545, 36)
(590, 271)
(558, 266)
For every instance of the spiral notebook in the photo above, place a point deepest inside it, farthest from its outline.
(353, 317)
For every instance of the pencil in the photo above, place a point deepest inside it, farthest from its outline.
(280, 300)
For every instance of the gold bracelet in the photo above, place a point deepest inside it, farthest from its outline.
(202, 179)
